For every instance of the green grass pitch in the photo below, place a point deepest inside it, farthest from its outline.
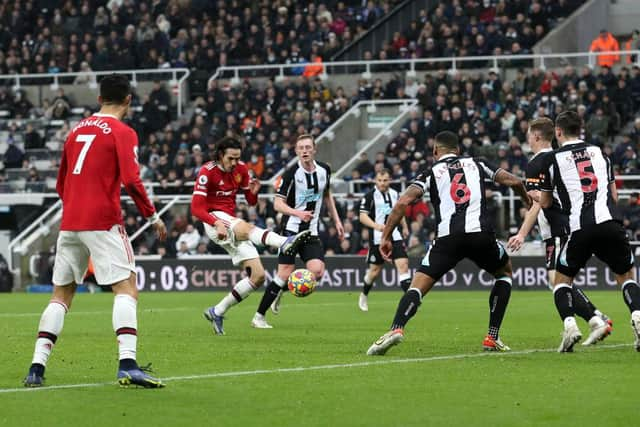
(438, 376)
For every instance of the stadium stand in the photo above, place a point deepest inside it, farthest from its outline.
(489, 114)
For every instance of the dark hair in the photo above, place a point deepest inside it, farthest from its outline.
(226, 143)
(570, 123)
(448, 140)
(384, 171)
(544, 125)
(114, 88)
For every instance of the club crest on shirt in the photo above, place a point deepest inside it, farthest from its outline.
(238, 178)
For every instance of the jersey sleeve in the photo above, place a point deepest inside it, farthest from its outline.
(62, 174)
(199, 199)
(488, 169)
(611, 177)
(422, 181)
(533, 175)
(546, 174)
(365, 203)
(127, 150)
(283, 183)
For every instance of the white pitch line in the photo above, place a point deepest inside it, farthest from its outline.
(304, 368)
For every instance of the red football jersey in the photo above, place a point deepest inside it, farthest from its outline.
(99, 154)
(216, 189)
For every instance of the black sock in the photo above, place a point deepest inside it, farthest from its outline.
(498, 301)
(584, 307)
(37, 368)
(128, 364)
(367, 288)
(563, 296)
(631, 295)
(269, 296)
(405, 284)
(407, 308)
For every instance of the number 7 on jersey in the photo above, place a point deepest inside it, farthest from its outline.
(87, 140)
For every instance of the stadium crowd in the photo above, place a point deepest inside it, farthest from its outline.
(489, 114)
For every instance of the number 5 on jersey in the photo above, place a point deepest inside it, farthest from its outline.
(87, 140)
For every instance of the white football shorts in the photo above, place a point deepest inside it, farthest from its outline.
(110, 251)
(238, 250)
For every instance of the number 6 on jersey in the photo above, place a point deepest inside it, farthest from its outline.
(87, 140)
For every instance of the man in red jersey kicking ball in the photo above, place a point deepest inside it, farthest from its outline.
(100, 154)
(214, 203)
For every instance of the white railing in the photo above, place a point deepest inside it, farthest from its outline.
(329, 134)
(41, 221)
(411, 63)
(178, 77)
(384, 132)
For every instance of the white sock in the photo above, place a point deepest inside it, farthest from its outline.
(51, 323)
(403, 277)
(263, 237)
(367, 279)
(278, 281)
(598, 313)
(240, 291)
(125, 324)
(570, 321)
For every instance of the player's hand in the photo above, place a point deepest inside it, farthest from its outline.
(340, 230)
(528, 202)
(161, 230)
(379, 227)
(305, 216)
(405, 232)
(515, 242)
(221, 230)
(386, 248)
(254, 185)
(535, 195)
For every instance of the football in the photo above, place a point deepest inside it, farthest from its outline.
(301, 282)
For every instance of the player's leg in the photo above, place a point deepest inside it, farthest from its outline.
(370, 277)
(114, 264)
(272, 292)
(573, 255)
(490, 255)
(242, 230)
(583, 305)
(401, 260)
(441, 257)
(615, 251)
(70, 266)
(241, 290)
(312, 253)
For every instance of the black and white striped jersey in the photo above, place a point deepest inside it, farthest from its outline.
(552, 221)
(581, 174)
(457, 189)
(378, 206)
(303, 191)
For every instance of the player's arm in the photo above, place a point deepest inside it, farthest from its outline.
(199, 207)
(62, 173)
(250, 187)
(503, 177)
(363, 213)
(612, 180)
(283, 186)
(515, 242)
(366, 220)
(127, 151)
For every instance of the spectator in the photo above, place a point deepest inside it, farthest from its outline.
(190, 237)
(14, 156)
(606, 42)
(32, 139)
